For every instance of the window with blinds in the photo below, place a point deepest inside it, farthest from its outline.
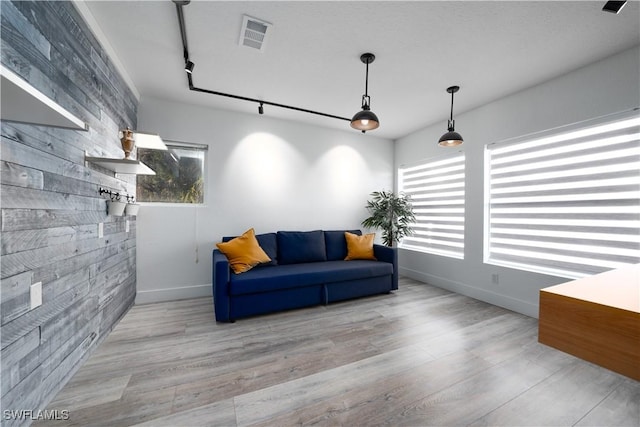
(568, 203)
(436, 187)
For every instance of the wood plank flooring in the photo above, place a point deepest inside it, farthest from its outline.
(418, 357)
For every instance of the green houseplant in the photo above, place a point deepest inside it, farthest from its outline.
(391, 213)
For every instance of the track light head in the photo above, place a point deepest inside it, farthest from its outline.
(614, 6)
(260, 109)
(189, 67)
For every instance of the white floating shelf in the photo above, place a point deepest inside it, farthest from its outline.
(23, 103)
(135, 167)
(148, 140)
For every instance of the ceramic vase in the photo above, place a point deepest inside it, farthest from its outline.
(127, 142)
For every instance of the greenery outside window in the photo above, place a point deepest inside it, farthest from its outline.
(179, 174)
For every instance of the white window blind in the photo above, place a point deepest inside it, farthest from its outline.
(566, 204)
(436, 187)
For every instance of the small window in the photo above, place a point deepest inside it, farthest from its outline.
(179, 174)
(436, 187)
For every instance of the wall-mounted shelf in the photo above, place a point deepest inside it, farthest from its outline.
(23, 103)
(129, 166)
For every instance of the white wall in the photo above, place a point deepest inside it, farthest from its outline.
(261, 172)
(605, 87)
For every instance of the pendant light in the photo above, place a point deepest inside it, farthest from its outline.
(366, 120)
(451, 138)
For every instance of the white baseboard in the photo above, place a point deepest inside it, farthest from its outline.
(173, 294)
(504, 301)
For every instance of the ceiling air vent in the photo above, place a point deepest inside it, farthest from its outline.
(254, 33)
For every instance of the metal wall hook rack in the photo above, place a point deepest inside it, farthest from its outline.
(116, 196)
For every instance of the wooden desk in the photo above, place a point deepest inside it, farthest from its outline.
(596, 318)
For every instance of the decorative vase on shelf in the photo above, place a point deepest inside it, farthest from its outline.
(132, 209)
(127, 142)
(115, 208)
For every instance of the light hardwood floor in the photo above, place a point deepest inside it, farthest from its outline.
(420, 356)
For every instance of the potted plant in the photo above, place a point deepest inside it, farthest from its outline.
(131, 209)
(391, 213)
(115, 207)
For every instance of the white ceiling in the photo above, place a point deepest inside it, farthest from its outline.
(311, 60)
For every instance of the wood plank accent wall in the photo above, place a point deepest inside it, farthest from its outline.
(51, 207)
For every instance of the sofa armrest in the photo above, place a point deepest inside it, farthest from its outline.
(220, 282)
(387, 254)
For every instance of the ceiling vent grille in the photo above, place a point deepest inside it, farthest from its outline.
(254, 33)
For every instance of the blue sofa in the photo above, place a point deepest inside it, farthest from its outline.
(307, 268)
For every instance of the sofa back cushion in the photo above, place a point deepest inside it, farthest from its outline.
(301, 246)
(269, 243)
(336, 244)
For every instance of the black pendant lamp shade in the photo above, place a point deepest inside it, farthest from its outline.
(451, 138)
(366, 119)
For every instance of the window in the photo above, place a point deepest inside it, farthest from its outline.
(566, 203)
(179, 174)
(436, 187)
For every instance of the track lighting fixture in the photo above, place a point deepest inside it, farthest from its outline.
(366, 119)
(451, 138)
(180, 4)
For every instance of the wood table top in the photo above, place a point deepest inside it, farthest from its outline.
(618, 288)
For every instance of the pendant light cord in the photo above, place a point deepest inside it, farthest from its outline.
(452, 106)
(366, 81)
(451, 126)
(366, 101)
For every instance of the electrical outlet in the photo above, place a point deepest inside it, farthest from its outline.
(100, 230)
(495, 278)
(126, 226)
(36, 295)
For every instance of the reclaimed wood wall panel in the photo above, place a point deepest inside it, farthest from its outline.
(50, 207)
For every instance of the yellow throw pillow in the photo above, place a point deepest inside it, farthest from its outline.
(243, 252)
(359, 247)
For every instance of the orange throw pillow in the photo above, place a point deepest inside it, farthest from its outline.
(243, 252)
(359, 247)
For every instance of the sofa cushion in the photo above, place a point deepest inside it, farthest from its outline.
(301, 246)
(306, 274)
(336, 244)
(243, 252)
(359, 247)
(269, 244)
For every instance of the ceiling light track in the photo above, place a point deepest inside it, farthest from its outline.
(183, 33)
(189, 66)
